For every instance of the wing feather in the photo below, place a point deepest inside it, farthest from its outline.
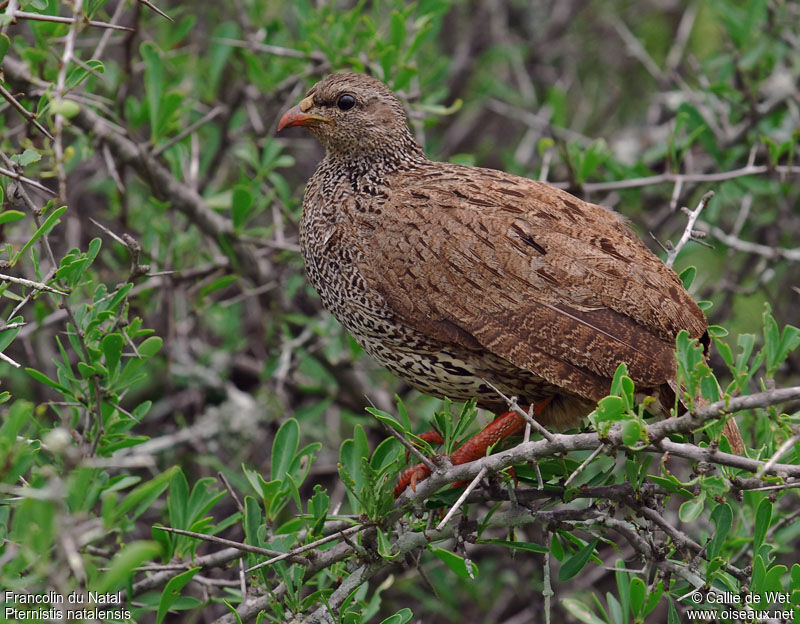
(555, 285)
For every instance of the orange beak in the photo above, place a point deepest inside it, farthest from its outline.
(299, 116)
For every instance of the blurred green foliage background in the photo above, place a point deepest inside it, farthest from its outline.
(182, 332)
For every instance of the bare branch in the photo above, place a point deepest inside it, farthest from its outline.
(67, 20)
(6, 95)
(689, 229)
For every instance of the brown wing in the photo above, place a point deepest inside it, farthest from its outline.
(553, 284)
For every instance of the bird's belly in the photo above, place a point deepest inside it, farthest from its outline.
(450, 371)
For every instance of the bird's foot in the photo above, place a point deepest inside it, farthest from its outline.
(504, 426)
(411, 476)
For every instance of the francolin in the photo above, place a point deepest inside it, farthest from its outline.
(461, 279)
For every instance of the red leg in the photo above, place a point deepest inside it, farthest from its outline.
(432, 437)
(505, 425)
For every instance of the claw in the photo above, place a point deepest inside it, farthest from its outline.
(411, 476)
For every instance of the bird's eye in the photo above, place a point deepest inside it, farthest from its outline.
(346, 102)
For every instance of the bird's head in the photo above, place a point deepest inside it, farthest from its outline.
(353, 115)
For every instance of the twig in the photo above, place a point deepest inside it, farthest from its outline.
(410, 447)
(257, 46)
(153, 581)
(31, 284)
(583, 465)
(59, 93)
(514, 407)
(738, 244)
(67, 20)
(153, 7)
(214, 112)
(8, 360)
(231, 491)
(778, 454)
(22, 178)
(231, 543)
(547, 587)
(106, 36)
(689, 229)
(684, 177)
(310, 546)
(24, 112)
(473, 484)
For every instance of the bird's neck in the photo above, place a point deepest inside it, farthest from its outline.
(367, 169)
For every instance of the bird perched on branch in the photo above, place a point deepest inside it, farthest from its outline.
(464, 280)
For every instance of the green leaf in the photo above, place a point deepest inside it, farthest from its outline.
(284, 448)
(777, 344)
(761, 524)
(403, 616)
(654, 598)
(722, 518)
(27, 157)
(691, 509)
(385, 546)
(177, 501)
(42, 378)
(125, 562)
(610, 408)
(524, 546)
(621, 577)
(218, 54)
(242, 205)
(112, 349)
(463, 568)
(150, 346)
(86, 371)
(638, 593)
(632, 433)
(65, 108)
(49, 223)
(5, 44)
(672, 613)
(235, 614)
(580, 611)
(9, 216)
(615, 612)
(253, 519)
(385, 455)
(622, 385)
(172, 591)
(19, 413)
(757, 584)
(153, 84)
(397, 29)
(687, 276)
(576, 562)
(7, 335)
(219, 283)
(141, 497)
(318, 508)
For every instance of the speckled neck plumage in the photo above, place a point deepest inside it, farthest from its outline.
(367, 173)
